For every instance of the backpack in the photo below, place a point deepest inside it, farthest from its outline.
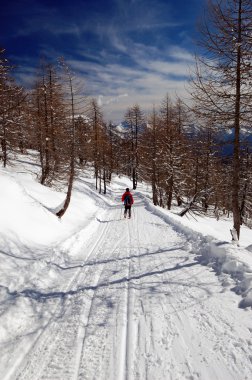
(127, 201)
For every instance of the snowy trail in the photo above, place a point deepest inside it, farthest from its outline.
(140, 307)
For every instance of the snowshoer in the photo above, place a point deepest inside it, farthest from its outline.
(128, 201)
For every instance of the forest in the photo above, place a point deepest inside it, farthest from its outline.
(197, 156)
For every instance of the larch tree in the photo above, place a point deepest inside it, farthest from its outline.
(135, 120)
(180, 121)
(105, 169)
(150, 153)
(48, 119)
(97, 135)
(83, 134)
(11, 99)
(174, 149)
(221, 87)
(111, 136)
(169, 135)
(73, 100)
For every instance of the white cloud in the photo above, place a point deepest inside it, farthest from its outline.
(123, 71)
(151, 76)
(179, 53)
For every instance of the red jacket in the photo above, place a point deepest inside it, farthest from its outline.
(130, 195)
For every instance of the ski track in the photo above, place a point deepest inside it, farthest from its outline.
(140, 307)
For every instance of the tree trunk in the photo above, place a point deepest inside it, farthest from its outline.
(169, 193)
(72, 154)
(236, 155)
(69, 191)
(46, 170)
(104, 182)
(4, 147)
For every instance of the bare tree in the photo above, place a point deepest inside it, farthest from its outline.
(151, 153)
(221, 87)
(11, 99)
(72, 94)
(47, 122)
(97, 124)
(135, 120)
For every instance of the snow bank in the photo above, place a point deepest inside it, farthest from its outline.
(28, 210)
(231, 263)
(24, 216)
(36, 247)
(30, 230)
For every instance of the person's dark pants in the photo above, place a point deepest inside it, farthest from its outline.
(127, 209)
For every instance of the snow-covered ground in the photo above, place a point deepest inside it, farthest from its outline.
(97, 296)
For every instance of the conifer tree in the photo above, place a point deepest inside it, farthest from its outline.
(12, 97)
(72, 97)
(221, 87)
(150, 153)
(47, 120)
(135, 120)
(97, 124)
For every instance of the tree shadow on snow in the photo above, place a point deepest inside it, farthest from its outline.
(41, 296)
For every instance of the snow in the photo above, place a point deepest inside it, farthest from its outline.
(96, 296)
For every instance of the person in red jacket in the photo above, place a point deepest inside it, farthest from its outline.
(128, 201)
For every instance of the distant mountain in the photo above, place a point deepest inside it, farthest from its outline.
(226, 138)
(223, 138)
(123, 128)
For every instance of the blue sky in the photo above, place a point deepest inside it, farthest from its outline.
(125, 51)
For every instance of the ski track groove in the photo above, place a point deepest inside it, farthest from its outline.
(99, 335)
(31, 366)
(128, 318)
